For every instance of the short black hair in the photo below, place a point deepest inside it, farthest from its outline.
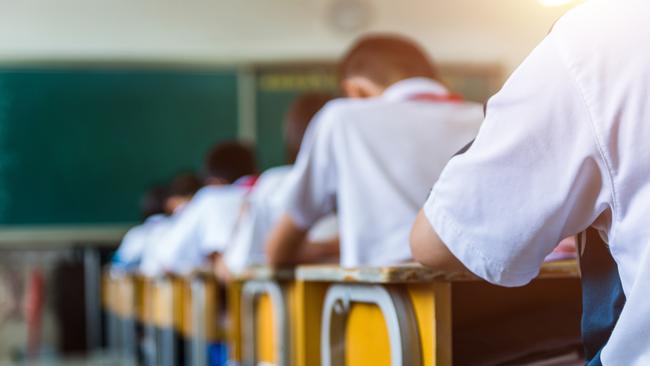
(230, 161)
(184, 185)
(153, 201)
(386, 59)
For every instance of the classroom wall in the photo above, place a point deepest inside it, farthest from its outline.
(225, 31)
(139, 36)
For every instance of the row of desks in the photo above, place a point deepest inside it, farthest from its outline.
(326, 315)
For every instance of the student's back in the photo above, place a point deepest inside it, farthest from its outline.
(603, 48)
(202, 228)
(268, 199)
(563, 148)
(129, 255)
(364, 156)
(154, 231)
(261, 210)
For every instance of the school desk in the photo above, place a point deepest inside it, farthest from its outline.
(122, 305)
(202, 332)
(164, 321)
(262, 317)
(411, 315)
(108, 293)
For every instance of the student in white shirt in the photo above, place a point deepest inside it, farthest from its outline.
(150, 235)
(156, 205)
(200, 232)
(129, 254)
(267, 201)
(362, 155)
(563, 148)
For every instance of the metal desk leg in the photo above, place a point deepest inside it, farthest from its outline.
(398, 313)
(251, 291)
(92, 284)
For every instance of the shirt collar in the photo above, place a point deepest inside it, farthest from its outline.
(155, 218)
(404, 89)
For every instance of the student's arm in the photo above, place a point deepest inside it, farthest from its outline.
(312, 191)
(220, 268)
(285, 241)
(317, 252)
(428, 249)
(288, 245)
(534, 175)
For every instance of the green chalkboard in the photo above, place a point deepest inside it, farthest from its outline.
(276, 88)
(80, 146)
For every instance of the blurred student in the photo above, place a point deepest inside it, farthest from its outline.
(362, 155)
(168, 202)
(267, 201)
(129, 254)
(201, 230)
(156, 205)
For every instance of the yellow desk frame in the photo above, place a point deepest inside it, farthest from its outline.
(261, 314)
(122, 301)
(340, 313)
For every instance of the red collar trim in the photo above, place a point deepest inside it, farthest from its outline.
(437, 98)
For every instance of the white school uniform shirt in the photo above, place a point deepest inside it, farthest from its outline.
(263, 208)
(259, 214)
(203, 227)
(564, 145)
(151, 264)
(364, 157)
(129, 254)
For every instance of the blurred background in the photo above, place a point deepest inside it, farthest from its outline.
(99, 100)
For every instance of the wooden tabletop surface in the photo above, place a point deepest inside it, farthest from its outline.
(411, 272)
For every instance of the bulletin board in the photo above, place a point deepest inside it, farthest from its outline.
(278, 85)
(276, 88)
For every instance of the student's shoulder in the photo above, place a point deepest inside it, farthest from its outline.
(351, 109)
(135, 232)
(271, 180)
(341, 107)
(273, 174)
(470, 110)
(155, 219)
(211, 196)
(339, 113)
(209, 192)
(360, 114)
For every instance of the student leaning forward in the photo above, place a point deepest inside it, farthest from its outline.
(362, 156)
(563, 148)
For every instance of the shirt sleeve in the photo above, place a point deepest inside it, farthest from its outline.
(533, 176)
(312, 181)
(130, 251)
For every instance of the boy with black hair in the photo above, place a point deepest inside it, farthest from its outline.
(201, 229)
(156, 206)
(130, 252)
(361, 154)
(180, 191)
(227, 162)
